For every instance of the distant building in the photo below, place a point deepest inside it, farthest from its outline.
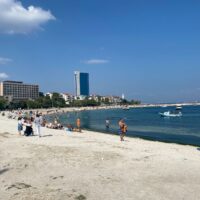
(49, 94)
(17, 90)
(67, 97)
(81, 97)
(81, 83)
(95, 97)
(112, 99)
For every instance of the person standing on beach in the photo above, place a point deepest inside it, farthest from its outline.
(122, 129)
(41, 119)
(20, 125)
(38, 122)
(107, 123)
(78, 124)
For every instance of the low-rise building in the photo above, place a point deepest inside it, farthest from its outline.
(95, 97)
(67, 97)
(49, 94)
(111, 99)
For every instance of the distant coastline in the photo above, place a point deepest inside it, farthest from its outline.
(47, 111)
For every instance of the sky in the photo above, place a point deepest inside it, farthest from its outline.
(148, 50)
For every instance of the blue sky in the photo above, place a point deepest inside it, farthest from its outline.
(148, 50)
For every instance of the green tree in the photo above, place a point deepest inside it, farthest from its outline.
(57, 100)
(3, 103)
(41, 94)
(106, 101)
(84, 103)
(124, 102)
(135, 102)
(33, 104)
(47, 103)
(17, 104)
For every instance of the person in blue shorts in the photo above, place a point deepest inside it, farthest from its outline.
(19, 125)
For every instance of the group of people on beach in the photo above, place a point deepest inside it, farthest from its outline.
(25, 124)
(39, 121)
(28, 124)
(122, 128)
(55, 124)
(70, 127)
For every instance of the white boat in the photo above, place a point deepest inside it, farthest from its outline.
(178, 107)
(171, 114)
(126, 108)
(164, 106)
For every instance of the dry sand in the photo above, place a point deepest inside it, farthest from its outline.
(94, 166)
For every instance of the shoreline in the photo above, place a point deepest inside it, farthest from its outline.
(47, 111)
(191, 139)
(112, 133)
(146, 138)
(183, 139)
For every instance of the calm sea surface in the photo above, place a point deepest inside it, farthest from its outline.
(143, 122)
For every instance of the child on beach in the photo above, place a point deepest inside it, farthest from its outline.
(20, 125)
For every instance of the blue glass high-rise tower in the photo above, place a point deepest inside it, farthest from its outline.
(82, 83)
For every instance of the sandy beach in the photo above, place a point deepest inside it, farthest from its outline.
(94, 166)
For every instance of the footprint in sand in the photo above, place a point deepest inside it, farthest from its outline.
(56, 177)
(19, 186)
(80, 197)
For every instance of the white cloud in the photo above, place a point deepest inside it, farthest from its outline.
(96, 61)
(15, 18)
(3, 76)
(4, 61)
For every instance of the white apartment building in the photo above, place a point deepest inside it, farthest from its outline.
(67, 97)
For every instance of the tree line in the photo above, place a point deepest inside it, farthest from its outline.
(56, 101)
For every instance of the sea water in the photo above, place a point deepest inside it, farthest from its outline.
(143, 123)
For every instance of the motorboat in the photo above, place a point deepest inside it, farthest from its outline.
(170, 114)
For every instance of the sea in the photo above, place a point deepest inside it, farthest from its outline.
(143, 123)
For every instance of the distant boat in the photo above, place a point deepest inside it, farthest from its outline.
(178, 107)
(164, 106)
(170, 114)
(126, 108)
